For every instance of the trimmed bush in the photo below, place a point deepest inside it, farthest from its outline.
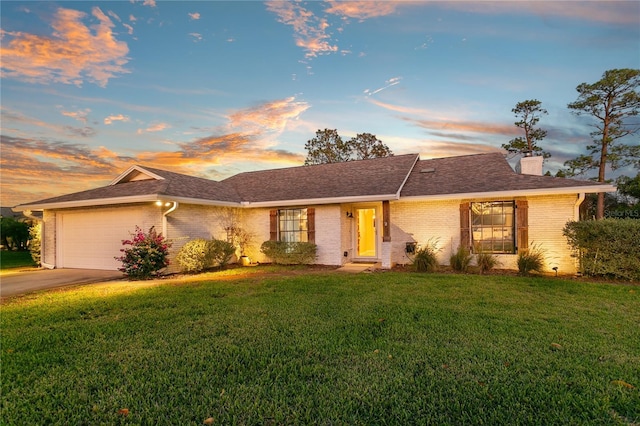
(221, 252)
(531, 260)
(195, 256)
(461, 259)
(200, 254)
(608, 247)
(148, 254)
(425, 259)
(285, 253)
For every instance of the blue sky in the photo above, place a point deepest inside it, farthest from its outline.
(216, 88)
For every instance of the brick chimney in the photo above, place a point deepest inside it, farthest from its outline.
(530, 165)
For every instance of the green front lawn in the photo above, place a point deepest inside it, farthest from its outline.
(326, 348)
(15, 259)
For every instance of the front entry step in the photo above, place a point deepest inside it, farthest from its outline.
(356, 267)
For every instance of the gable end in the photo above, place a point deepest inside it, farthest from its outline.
(135, 173)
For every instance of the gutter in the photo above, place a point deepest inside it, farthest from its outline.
(121, 200)
(317, 201)
(524, 192)
(576, 207)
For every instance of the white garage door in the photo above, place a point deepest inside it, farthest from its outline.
(92, 238)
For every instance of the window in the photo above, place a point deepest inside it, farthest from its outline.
(292, 225)
(493, 226)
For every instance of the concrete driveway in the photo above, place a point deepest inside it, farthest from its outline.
(22, 282)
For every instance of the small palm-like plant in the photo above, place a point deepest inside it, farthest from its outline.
(461, 259)
(486, 261)
(530, 260)
(425, 259)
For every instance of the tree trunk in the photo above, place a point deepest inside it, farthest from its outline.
(603, 160)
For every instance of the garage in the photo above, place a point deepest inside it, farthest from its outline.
(90, 239)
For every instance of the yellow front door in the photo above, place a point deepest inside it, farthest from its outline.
(366, 232)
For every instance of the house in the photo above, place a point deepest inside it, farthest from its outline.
(366, 210)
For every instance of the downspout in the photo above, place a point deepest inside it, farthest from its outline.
(576, 207)
(164, 218)
(29, 214)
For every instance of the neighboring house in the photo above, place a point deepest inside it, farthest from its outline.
(354, 211)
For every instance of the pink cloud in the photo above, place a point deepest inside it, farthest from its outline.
(80, 115)
(119, 117)
(611, 12)
(310, 32)
(270, 116)
(74, 53)
(362, 9)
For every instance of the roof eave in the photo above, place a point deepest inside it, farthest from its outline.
(318, 201)
(200, 201)
(88, 203)
(591, 189)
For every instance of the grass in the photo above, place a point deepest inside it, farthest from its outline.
(15, 259)
(325, 348)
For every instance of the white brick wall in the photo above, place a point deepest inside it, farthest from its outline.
(547, 217)
(440, 220)
(410, 221)
(328, 236)
(424, 221)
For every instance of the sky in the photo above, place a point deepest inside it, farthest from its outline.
(215, 88)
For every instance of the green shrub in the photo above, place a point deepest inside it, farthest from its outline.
(200, 254)
(531, 260)
(35, 232)
(285, 253)
(195, 256)
(607, 247)
(148, 254)
(426, 259)
(486, 261)
(461, 259)
(221, 252)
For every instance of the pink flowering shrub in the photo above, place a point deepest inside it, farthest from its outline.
(148, 254)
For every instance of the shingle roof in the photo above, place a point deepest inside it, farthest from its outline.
(475, 174)
(173, 185)
(179, 185)
(374, 177)
(380, 177)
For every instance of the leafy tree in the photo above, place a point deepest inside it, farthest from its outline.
(611, 101)
(14, 234)
(628, 186)
(326, 147)
(529, 112)
(366, 145)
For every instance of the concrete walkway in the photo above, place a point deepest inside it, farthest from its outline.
(355, 268)
(26, 281)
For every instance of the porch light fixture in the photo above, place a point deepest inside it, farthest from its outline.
(350, 215)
